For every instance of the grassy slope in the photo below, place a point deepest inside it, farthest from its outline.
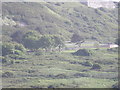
(65, 19)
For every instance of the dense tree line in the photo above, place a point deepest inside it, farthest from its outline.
(33, 40)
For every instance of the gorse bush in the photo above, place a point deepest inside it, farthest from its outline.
(12, 48)
(8, 74)
(82, 52)
(3, 60)
(20, 47)
(96, 66)
(89, 64)
(18, 52)
(7, 48)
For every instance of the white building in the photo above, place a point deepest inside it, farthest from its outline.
(113, 45)
(100, 3)
(108, 45)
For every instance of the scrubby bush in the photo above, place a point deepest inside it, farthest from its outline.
(18, 52)
(7, 48)
(12, 48)
(76, 38)
(51, 86)
(8, 74)
(4, 60)
(82, 52)
(115, 85)
(20, 47)
(7, 60)
(89, 64)
(96, 66)
(61, 76)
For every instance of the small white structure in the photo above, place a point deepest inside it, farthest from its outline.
(100, 3)
(108, 45)
(113, 45)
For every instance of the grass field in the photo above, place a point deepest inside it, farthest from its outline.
(63, 70)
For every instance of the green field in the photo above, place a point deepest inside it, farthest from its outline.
(64, 70)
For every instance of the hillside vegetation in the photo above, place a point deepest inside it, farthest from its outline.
(35, 52)
(63, 19)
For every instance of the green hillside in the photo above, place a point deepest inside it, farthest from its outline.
(61, 19)
(37, 52)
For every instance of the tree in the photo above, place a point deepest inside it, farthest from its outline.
(46, 42)
(58, 42)
(30, 40)
(76, 38)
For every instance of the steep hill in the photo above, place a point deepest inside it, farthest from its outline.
(63, 19)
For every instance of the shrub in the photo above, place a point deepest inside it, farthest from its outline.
(61, 76)
(83, 52)
(115, 85)
(7, 48)
(89, 64)
(96, 66)
(12, 48)
(7, 60)
(8, 74)
(4, 60)
(30, 40)
(20, 47)
(51, 86)
(17, 52)
(76, 38)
